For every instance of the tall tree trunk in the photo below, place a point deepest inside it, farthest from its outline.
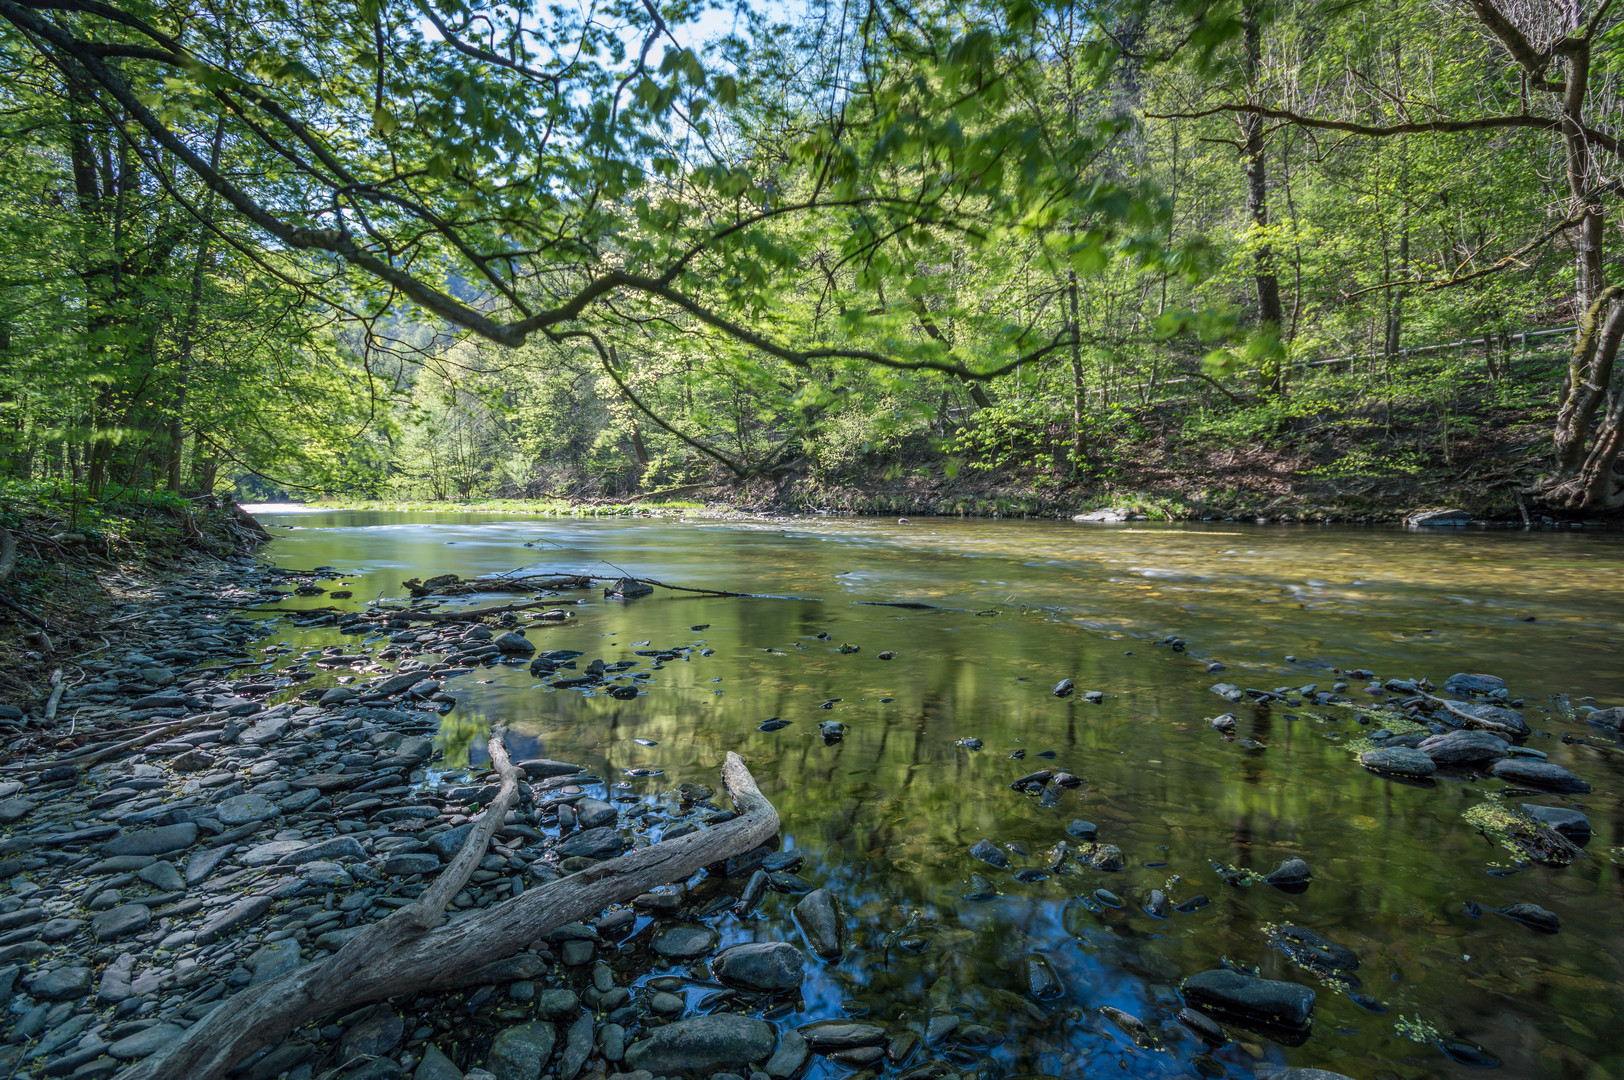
(1079, 392)
(1270, 314)
(188, 334)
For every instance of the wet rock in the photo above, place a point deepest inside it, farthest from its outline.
(1570, 823)
(159, 841)
(829, 1036)
(594, 813)
(787, 1060)
(518, 1053)
(1490, 718)
(1156, 904)
(1540, 774)
(1313, 950)
(600, 843)
(546, 768)
(766, 966)
(979, 890)
(557, 1004)
(191, 761)
(685, 942)
(1611, 719)
(1063, 688)
(1461, 747)
(272, 960)
(988, 852)
(1229, 692)
(1041, 981)
(1478, 685)
(1398, 761)
(514, 644)
(1106, 857)
(832, 731)
(1292, 875)
(1267, 1001)
(703, 1044)
(818, 916)
(1083, 830)
(1533, 916)
(1225, 724)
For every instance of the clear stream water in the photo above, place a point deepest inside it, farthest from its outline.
(886, 816)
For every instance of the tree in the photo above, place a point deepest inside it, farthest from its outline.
(1553, 66)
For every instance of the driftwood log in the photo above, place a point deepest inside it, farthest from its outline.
(408, 952)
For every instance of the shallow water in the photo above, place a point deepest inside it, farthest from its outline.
(886, 816)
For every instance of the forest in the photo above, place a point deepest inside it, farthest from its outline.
(1007, 255)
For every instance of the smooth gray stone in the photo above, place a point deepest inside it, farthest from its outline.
(1398, 761)
(242, 911)
(791, 1054)
(518, 1053)
(336, 849)
(819, 918)
(60, 984)
(703, 1044)
(1459, 747)
(244, 809)
(685, 942)
(162, 876)
(436, 1066)
(411, 862)
(1540, 774)
(768, 966)
(376, 1035)
(120, 921)
(1267, 1000)
(272, 960)
(201, 865)
(265, 732)
(146, 1042)
(1466, 683)
(159, 841)
(514, 644)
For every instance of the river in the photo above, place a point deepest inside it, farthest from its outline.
(886, 816)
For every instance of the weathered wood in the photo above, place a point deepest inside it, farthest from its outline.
(152, 735)
(401, 959)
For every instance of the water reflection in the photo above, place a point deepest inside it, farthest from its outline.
(887, 815)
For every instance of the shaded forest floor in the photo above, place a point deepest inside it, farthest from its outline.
(79, 560)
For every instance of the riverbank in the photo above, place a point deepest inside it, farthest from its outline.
(307, 773)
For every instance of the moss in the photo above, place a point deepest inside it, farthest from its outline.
(1520, 834)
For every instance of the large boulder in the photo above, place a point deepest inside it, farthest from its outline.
(1461, 747)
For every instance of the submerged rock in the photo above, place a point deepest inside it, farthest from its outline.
(988, 852)
(1267, 1001)
(1534, 916)
(1292, 875)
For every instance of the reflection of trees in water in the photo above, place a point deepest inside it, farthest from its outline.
(887, 815)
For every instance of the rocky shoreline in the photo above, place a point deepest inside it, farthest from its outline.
(145, 884)
(199, 820)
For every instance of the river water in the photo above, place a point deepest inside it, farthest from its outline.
(887, 815)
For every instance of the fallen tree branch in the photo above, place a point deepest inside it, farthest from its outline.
(400, 958)
(462, 616)
(57, 688)
(80, 757)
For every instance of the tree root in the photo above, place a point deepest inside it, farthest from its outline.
(405, 953)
